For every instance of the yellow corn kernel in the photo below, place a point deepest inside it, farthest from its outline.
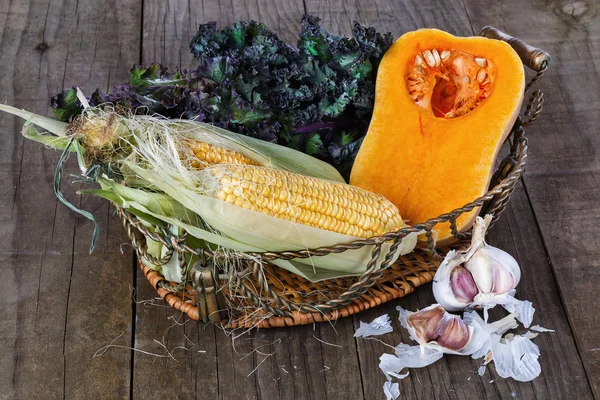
(313, 202)
(205, 154)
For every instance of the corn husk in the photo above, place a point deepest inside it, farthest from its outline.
(153, 164)
(257, 233)
(265, 153)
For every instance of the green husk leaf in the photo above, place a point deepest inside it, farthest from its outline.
(114, 198)
(53, 126)
(156, 202)
(55, 142)
(62, 199)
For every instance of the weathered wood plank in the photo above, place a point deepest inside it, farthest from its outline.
(563, 172)
(167, 29)
(448, 379)
(457, 377)
(56, 299)
(226, 370)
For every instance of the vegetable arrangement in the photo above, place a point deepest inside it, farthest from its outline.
(249, 153)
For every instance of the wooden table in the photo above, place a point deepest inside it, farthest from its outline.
(61, 306)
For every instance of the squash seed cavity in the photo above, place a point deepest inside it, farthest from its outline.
(450, 83)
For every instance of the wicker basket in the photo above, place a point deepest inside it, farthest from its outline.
(265, 295)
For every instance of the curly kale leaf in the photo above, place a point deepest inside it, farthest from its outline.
(316, 97)
(65, 105)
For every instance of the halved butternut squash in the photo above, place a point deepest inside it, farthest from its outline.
(443, 107)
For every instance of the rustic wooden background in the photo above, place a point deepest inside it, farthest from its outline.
(60, 306)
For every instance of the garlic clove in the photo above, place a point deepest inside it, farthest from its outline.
(462, 285)
(500, 257)
(503, 281)
(454, 334)
(427, 323)
(479, 267)
(442, 288)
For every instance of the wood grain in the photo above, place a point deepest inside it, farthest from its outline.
(563, 171)
(59, 303)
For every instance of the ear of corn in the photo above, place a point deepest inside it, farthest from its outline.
(293, 216)
(309, 201)
(262, 152)
(201, 154)
(251, 195)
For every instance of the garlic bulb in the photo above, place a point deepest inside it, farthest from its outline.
(480, 276)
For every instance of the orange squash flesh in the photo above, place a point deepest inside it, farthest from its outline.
(436, 130)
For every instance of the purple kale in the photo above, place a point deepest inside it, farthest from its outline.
(316, 97)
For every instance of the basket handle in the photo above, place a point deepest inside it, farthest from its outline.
(532, 57)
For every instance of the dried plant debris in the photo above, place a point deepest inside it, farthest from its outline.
(379, 326)
(538, 328)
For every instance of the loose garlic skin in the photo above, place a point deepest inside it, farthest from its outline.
(482, 275)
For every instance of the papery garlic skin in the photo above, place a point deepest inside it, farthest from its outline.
(379, 326)
(514, 356)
